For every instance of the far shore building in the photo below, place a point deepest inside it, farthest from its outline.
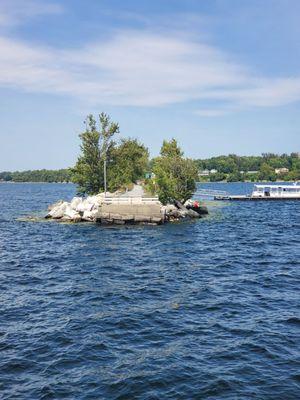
(207, 172)
(280, 171)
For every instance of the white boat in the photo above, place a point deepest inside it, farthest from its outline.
(276, 192)
(267, 192)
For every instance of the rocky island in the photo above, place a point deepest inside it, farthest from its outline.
(118, 184)
(115, 209)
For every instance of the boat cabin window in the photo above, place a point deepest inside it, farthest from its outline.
(276, 190)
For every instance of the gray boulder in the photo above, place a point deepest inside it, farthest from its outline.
(91, 216)
(58, 203)
(71, 214)
(58, 211)
(75, 202)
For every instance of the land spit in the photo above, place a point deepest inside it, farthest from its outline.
(115, 209)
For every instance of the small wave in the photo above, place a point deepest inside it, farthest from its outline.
(198, 310)
(293, 321)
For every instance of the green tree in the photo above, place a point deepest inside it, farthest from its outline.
(175, 176)
(235, 177)
(170, 149)
(217, 177)
(266, 173)
(96, 147)
(128, 163)
(293, 175)
(6, 176)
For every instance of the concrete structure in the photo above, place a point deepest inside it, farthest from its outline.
(110, 210)
(119, 213)
(115, 208)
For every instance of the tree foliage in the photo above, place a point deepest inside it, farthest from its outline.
(239, 168)
(266, 172)
(96, 147)
(235, 177)
(175, 176)
(40, 175)
(128, 164)
(217, 177)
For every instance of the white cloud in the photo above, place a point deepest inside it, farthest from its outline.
(139, 68)
(264, 92)
(14, 12)
(214, 112)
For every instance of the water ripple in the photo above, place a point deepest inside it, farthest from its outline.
(201, 310)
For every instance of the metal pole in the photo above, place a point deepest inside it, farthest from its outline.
(104, 178)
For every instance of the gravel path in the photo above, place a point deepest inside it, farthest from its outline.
(137, 191)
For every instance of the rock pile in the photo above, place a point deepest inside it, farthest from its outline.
(177, 211)
(116, 210)
(79, 209)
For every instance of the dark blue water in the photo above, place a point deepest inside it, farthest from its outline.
(201, 310)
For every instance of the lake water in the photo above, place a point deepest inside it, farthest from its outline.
(201, 310)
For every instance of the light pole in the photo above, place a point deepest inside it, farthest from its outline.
(104, 167)
(105, 173)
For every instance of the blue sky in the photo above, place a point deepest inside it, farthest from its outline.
(221, 76)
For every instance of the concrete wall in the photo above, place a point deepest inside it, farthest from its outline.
(132, 212)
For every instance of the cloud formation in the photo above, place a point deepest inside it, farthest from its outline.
(140, 68)
(14, 12)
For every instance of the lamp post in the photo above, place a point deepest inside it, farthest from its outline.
(104, 172)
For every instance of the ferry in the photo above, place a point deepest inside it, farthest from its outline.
(267, 192)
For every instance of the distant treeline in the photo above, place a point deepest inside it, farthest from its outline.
(268, 166)
(40, 175)
(231, 168)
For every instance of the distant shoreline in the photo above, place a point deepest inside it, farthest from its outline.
(16, 182)
(200, 182)
(246, 181)
(268, 167)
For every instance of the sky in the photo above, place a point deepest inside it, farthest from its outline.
(220, 76)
